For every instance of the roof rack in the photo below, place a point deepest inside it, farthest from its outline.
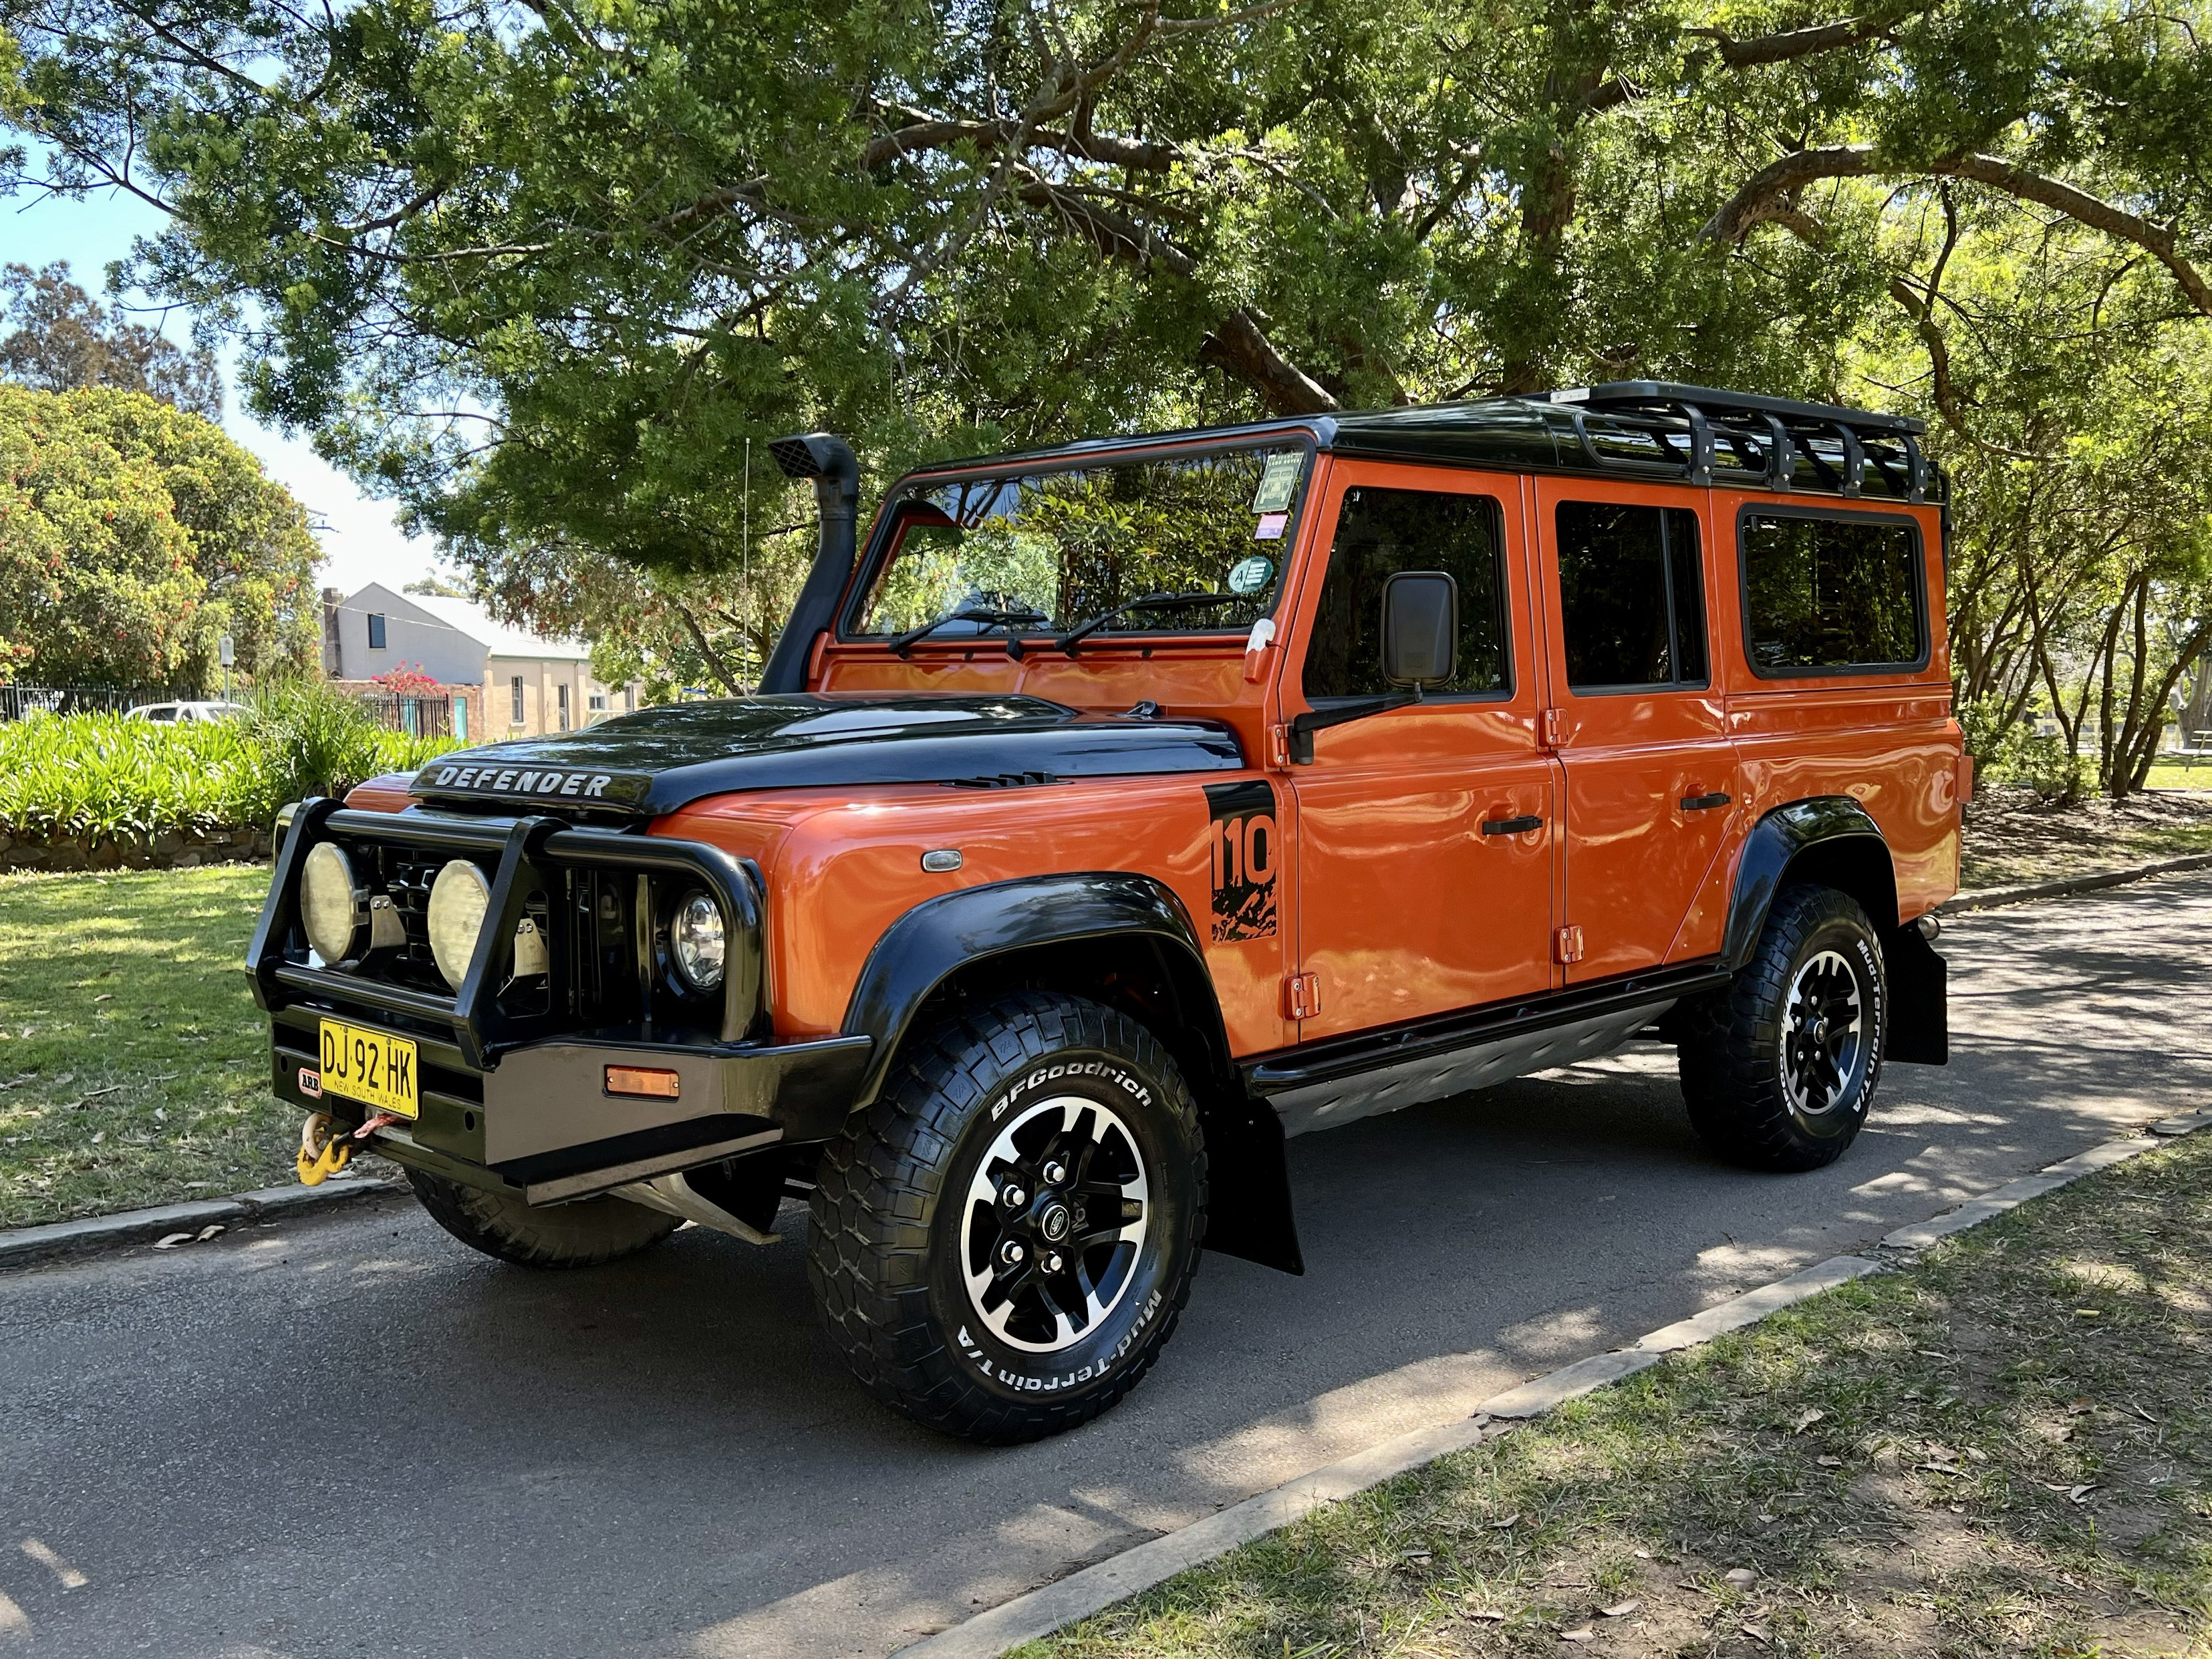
(1699, 429)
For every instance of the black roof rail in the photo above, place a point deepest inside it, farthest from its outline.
(1781, 422)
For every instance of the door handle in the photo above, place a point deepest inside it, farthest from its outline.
(1702, 803)
(1510, 826)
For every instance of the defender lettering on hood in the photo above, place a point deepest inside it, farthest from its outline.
(585, 788)
(658, 760)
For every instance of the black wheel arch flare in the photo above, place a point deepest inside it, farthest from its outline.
(1072, 931)
(1833, 840)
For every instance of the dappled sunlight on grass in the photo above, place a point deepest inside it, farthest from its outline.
(132, 1060)
(2007, 1449)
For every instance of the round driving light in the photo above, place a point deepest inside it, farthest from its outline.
(697, 938)
(458, 899)
(331, 907)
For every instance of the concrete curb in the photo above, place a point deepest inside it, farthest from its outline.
(1989, 898)
(109, 1232)
(1041, 1612)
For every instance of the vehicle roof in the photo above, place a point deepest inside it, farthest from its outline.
(1650, 429)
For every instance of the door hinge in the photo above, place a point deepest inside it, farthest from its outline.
(1278, 747)
(1567, 946)
(1301, 996)
(1554, 721)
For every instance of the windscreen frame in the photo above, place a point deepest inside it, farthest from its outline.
(885, 535)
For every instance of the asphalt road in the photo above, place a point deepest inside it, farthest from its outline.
(353, 1435)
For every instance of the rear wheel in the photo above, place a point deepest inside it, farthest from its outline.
(1002, 1243)
(583, 1234)
(1780, 1066)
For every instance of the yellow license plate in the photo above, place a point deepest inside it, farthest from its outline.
(374, 1067)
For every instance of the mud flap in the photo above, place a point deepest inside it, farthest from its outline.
(1248, 1212)
(1919, 1013)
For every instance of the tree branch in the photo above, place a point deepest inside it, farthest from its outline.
(1754, 203)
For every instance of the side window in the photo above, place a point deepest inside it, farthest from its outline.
(1380, 532)
(375, 631)
(1632, 601)
(514, 691)
(1821, 594)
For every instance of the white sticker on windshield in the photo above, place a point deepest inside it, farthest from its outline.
(1279, 482)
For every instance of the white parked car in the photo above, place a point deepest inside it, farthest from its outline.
(172, 713)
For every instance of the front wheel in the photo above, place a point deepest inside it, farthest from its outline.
(1003, 1242)
(1779, 1066)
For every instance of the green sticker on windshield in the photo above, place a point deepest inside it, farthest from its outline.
(1279, 482)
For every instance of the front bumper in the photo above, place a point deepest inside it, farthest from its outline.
(541, 1127)
(516, 1103)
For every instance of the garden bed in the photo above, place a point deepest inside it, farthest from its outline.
(2012, 837)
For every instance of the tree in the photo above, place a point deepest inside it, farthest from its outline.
(133, 536)
(59, 339)
(540, 272)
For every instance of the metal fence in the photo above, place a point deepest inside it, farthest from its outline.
(420, 717)
(17, 701)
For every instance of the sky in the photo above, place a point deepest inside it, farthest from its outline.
(361, 541)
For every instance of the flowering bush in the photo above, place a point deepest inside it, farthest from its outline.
(407, 680)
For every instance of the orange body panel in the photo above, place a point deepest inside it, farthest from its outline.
(1405, 907)
(842, 866)
(1635, 860)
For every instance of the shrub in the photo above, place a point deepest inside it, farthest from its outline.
(101, 774)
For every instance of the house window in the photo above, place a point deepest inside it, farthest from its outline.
(564, 705)
(375, 630)
(596, 702)
(514, 691)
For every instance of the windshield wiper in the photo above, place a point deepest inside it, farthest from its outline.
(903, 643)
(1191, 601)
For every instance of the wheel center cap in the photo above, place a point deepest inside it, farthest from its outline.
(1821, 1029)
(1054, 1223)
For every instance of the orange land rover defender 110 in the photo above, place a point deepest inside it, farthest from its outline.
(1120, 810)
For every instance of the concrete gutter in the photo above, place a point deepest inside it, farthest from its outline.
(23, 1245)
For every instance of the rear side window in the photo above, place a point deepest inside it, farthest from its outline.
(1631, 598)
(1829, 594)
(1380, 532)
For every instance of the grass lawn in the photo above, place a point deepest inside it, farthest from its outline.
(133, 1063)
(2006, 1449)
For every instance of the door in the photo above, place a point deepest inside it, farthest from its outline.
(1425, 833)
(1650, 776)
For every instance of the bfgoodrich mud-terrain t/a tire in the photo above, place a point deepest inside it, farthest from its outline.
(1003, 1242)
(1780, 1066)
(580, 1235)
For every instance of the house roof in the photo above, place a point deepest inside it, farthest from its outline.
(465, 616)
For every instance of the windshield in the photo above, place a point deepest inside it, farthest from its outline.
(1067, 545)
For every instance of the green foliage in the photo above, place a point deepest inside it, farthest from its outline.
(133, 536)
(543, 275)
(73, 774)
(137, 1063)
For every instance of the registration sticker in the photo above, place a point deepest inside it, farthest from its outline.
(1270, 527)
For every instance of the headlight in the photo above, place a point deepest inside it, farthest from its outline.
(697, 939)
(458, 899)
(331, 906)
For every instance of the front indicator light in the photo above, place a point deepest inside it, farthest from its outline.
(642, 1080)
(332, 906)
(698, 941)
(458, 899)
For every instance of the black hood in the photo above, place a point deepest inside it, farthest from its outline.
(658, 759)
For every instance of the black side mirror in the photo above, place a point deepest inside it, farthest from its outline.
(1420, 628)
